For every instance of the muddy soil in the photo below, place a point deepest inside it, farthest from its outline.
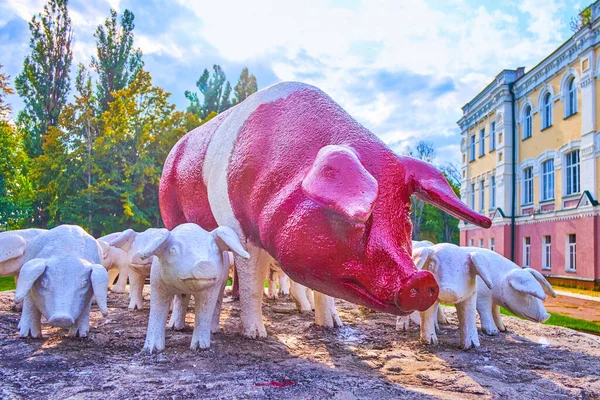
(365, 359)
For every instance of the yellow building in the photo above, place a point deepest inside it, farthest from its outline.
(530, 144)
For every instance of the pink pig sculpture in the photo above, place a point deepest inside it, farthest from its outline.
(300, 181)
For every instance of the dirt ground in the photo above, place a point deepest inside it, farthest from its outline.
(365, 359)
(574, 307)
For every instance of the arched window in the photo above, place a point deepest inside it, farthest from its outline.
(547, 111)
(527, 123)
(571, 97)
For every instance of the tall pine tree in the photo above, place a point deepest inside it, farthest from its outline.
(44, 82)
(117, 61)
(216, 91)
(245, 86)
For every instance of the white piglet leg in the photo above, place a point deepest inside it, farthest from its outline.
(160, 300)
(484, 309)
(252, 277)
(30, 324)
(180, 306)
(325, 311)
(284, 284)
(498, 318)
(121, 285)
(82, 324)
(466, 311)
(403, 323)
(136, 298)
(428, 335)
(112, 275)
(298, 293)
(216, 317)
(206, 302)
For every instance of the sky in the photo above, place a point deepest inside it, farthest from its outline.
(402, 68)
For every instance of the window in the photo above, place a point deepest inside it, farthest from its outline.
(546, 252)
(472, 148)
(572, 172)
(548, 180)
(571, 98)
(481, 195)
(482, 143)
(480, 242)
(472, 196)
(492, 244)
(547, 111)
(492, 136)
(571, 253)
(526, 252)
(527, 185)
(471, 242)
(492, 191)
(527, 124)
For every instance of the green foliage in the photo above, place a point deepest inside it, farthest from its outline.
(117, 62)
(245, 86)
(44, 82)
(7, 283)
(216, 91)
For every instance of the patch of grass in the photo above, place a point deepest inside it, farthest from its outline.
(7, 283)
(565, 321)
(587, 292)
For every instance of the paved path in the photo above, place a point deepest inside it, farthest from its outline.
(574, 305)
(578, 296)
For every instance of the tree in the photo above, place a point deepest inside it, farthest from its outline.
(216, 91)
(245, 86)
(426, 152)
(44, 82)
(117, 62)
(449, 223)
(5, 90)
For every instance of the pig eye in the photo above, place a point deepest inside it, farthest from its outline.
(173, 251)
(44, 283)
(84, 283)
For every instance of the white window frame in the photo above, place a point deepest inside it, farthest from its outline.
(571, 105)
(482, 142)
(471, 242)
(527, 186)
(492, 191)
(571, 253)
(472, 147)
(572, 176)
(547, 110)
(472, 197)
(527, 252)
(527, 122)
(492, 244)
(481, 243)
(548, 180)
(492, 135)
(482, 195)
(546, 252)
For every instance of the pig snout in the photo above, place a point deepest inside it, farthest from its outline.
(419, 292)
(61, 321)
(544, 317)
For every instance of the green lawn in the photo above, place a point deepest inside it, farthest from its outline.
(7, 283)
(567, 322)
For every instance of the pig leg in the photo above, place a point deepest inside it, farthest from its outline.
(272, 288)
(284, 284)
(180, 306)
(216, 317)
(82, 324)
(17, 306)
(160, 300)
(428, 335)
(484, 308)
(325, 312)
(441, 317)
(498, 318)
(121, 285)
(467, 325)
(415, 318)
(136, 282)
(112, 275)
(252, 277)
(30, 324)
(299, 295)
(403, 323)
(311, 298)
(206, 302)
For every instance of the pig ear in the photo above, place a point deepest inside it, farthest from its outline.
(421, 255)
(105, 247)
(155, 245)
(522, 282)
(227, 240)
(338, 181)
(481, 267)
(11, 246)
(99, 278)
(124, 238)
(430, 185)
(542, 280)
(30, 272)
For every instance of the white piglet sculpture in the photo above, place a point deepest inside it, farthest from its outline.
(116, 262)
(12, 249)
(190, 261)
(519, 290)
(455, 270)
(61, 274)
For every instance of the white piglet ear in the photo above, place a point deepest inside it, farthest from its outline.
(30, 272)
(420, 256)
(481, 267)
(542, 280)
(338, 181)
(523, 282)
(123, 239)
(11, 246)
(155, 245)
(99, 278)
(228, 240)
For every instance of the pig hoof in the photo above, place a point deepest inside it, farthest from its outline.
(199, 345)
(30, 334)
(119, 290)
(151, 349)
(134, 307)
(255, 331)
(490, 332)
(18, 307)
(471, 344)
(430, 341)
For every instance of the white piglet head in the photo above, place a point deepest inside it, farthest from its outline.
(193, 257)
(61, 287)
(454, 269)
(524, 291)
